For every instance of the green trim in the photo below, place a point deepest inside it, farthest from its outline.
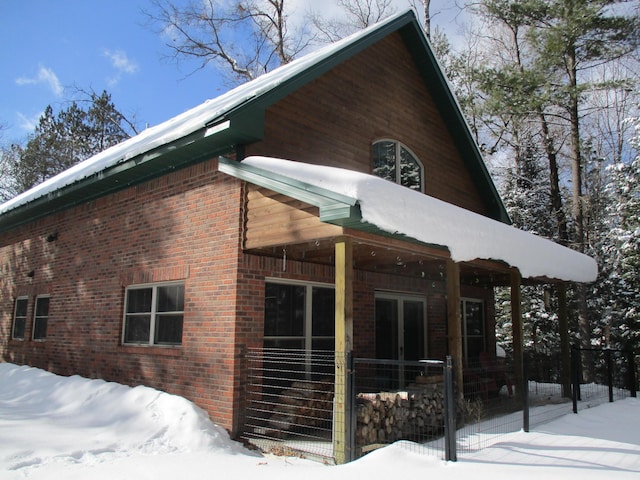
(454, 119)
(334, 207)
(187, 151)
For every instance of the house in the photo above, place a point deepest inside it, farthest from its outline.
(162, 260)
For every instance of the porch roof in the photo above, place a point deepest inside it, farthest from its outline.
(365, 202)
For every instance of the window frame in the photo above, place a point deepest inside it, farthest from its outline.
(22, 298)
(154, 314)
(307, 336)
(37, 317)
(398, 167)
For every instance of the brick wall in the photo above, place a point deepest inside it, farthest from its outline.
(183, 226)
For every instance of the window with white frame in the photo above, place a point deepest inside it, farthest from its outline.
(395, 162)
(40, 317)
(299, 316)
(19, 318)
(154, 314)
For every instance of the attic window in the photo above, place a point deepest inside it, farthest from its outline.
(395, 162)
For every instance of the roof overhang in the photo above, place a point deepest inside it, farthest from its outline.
(81, 184)
(488, 246)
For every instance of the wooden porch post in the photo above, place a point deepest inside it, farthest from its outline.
(565, 350)
(516, 327)
(454, 321)
(343, 346)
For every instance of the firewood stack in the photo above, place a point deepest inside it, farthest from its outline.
(409, 415)
(303, 404)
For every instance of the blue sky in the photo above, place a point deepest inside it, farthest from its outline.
(51, 48)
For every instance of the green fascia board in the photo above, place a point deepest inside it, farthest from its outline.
(334, 207)
(188, 150)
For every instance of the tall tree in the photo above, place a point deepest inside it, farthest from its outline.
(8, 155)
(66, 138)
(573, 37)
(541, 70)
(355, 15)
(619, 253)
(243, 38)
(246, 38)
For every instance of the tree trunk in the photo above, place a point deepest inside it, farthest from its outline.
(584, 326)
(427, 18)
(554, 182)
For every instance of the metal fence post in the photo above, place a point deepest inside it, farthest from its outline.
(351, 409)
(525, 394)
(451, 454)
(609, 360)
(633, 386)
(575, 365)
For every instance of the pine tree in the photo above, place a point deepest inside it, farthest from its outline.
(61, 140)
(617, 289)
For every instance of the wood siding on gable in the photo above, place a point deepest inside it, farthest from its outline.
(377, 94)
(274, 219)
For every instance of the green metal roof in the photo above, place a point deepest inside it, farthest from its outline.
(237, 117)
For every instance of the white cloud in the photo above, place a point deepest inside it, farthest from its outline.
(44, 76)
(28, 123)
(121, 61)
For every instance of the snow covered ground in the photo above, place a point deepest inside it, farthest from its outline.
(54, 427)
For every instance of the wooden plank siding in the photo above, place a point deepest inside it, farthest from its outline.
(274, 219)
(376, 94)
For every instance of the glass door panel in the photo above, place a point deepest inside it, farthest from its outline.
(387, 328)
(414, 330)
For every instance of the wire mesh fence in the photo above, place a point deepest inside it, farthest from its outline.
(290, 401)
(602, 375)
(398, 401)
(489, 405)
(295, 400)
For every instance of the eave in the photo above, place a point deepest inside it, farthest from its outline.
(194, 148)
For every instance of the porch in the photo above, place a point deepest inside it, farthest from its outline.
(291, 402)
(293, 216)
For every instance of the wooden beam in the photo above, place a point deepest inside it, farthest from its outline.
(516, 326)
(397, 244)
(454, 321)
(343, 347)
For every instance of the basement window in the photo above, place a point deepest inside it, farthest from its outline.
(154, 314)
(19, 318)
(394, 161)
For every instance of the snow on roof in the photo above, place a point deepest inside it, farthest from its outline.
(186, 123)
(467, 235)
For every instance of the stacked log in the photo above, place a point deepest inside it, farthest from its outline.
(304, 404)
(410, 415)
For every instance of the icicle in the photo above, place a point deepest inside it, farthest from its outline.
(284, 259)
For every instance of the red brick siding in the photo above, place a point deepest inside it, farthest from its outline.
(183, 226)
